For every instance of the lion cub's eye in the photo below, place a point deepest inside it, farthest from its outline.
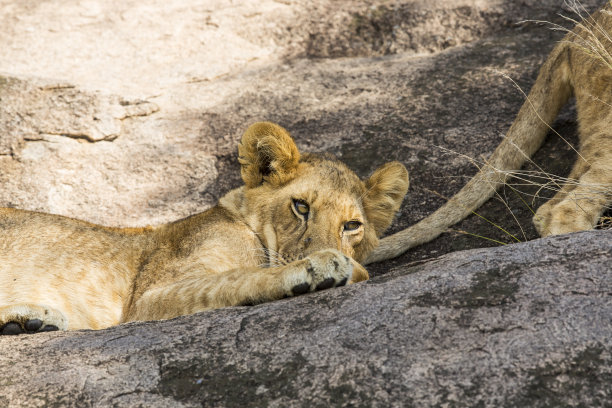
(301, 208)
(352, 225)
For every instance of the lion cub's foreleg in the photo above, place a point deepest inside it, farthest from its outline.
(250, 285)
(30, 318)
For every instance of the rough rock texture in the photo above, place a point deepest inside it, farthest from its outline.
(526, 325)
(127, 113)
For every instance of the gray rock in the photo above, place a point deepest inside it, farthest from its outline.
(127, 115)
(522, 325)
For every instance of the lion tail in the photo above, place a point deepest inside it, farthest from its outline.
(550, 92)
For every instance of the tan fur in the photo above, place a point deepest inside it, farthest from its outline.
(571, 69)
(252, 247)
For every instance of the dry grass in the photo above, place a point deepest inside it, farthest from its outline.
(589, 38)
(530, 186)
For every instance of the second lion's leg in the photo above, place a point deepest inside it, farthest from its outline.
(579, 204)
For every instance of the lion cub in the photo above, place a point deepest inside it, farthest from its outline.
(580, 65)
(300, 223)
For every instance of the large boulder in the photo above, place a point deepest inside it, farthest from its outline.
(525, 325)
(128, 114)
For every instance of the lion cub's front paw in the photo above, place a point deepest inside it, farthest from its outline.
(321, 270)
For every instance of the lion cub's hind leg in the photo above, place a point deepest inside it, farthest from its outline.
(30, 318)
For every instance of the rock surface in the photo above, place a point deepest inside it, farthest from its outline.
(128, 113)
(526, 325)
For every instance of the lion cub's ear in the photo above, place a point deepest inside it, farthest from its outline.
(267, 153)
(386, 189)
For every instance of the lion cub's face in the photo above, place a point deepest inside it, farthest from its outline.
(299, 205)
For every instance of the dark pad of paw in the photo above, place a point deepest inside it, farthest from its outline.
(49, 327)
(33, 325)
(326, 284)
(300, 289)
(342, 282)
(11, 328)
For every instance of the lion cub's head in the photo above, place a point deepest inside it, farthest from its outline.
(299, 204)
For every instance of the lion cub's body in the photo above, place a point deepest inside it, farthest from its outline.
(300, 223)
(96, 275)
